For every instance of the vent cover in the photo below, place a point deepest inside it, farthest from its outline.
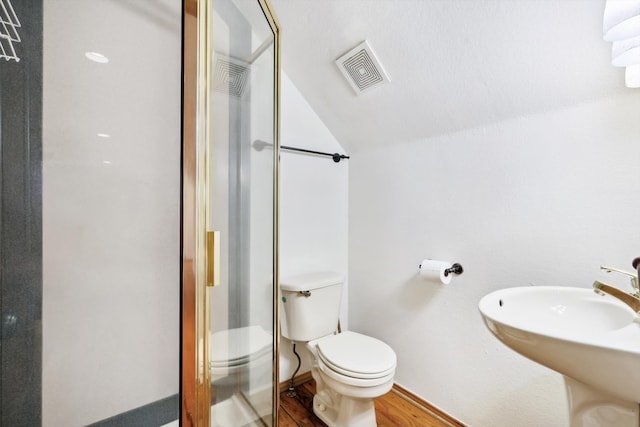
(361, 68)
(230, 76)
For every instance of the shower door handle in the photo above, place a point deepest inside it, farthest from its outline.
(213, 258)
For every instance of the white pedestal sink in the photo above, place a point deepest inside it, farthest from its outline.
(593, 340)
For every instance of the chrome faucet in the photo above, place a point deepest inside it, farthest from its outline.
(633, 276)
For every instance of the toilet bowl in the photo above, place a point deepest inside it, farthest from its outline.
(238, 355)
(350, 369)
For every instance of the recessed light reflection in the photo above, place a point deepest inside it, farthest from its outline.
(97, 57)
(106, 162)
(103, 135)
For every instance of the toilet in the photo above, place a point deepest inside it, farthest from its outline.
(350, 369)
(239, 356)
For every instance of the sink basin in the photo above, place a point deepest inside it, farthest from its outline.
(587, 337)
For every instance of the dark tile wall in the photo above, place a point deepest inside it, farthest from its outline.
(21, 223)
(154, 414)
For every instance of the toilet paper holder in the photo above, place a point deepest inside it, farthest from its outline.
(454, 269)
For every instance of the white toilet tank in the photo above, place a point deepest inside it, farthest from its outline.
(310, 305)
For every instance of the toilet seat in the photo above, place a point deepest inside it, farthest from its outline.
(356, 359)
(238, 347)
(352, 381)
(240, 361)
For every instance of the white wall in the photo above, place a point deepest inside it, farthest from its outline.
(313, 205)
(111, 208)
(540, 200)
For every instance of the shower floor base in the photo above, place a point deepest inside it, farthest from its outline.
(236, 412)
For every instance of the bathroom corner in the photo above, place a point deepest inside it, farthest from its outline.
(313, 207)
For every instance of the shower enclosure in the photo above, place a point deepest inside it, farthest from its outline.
(126, 131)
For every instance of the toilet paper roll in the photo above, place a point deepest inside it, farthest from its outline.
(434, 271)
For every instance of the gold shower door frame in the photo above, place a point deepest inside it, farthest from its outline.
(196, 98)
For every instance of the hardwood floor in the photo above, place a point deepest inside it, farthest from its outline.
(392, 410)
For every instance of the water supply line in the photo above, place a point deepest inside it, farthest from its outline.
(291, 391)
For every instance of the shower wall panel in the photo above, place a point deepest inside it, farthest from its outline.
(111, 208)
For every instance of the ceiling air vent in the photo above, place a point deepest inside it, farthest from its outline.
(230, 76)
(361, 68)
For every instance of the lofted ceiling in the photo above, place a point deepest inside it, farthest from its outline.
(454, 64)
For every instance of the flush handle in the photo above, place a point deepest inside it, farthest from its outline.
(305, 293)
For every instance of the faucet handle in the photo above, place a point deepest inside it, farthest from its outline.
(610, 269)
(632, 276)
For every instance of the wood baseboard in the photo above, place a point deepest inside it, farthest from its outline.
(400, 391)
(298, 380)
(425, 406)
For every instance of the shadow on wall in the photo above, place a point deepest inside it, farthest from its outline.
(418, 293)
(547, 387)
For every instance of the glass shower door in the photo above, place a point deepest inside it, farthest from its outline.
(111, 212)
(241, 191)
(234, 197)
(89, 212)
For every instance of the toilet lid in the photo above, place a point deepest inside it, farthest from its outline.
(237, 346)
(357, 355)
